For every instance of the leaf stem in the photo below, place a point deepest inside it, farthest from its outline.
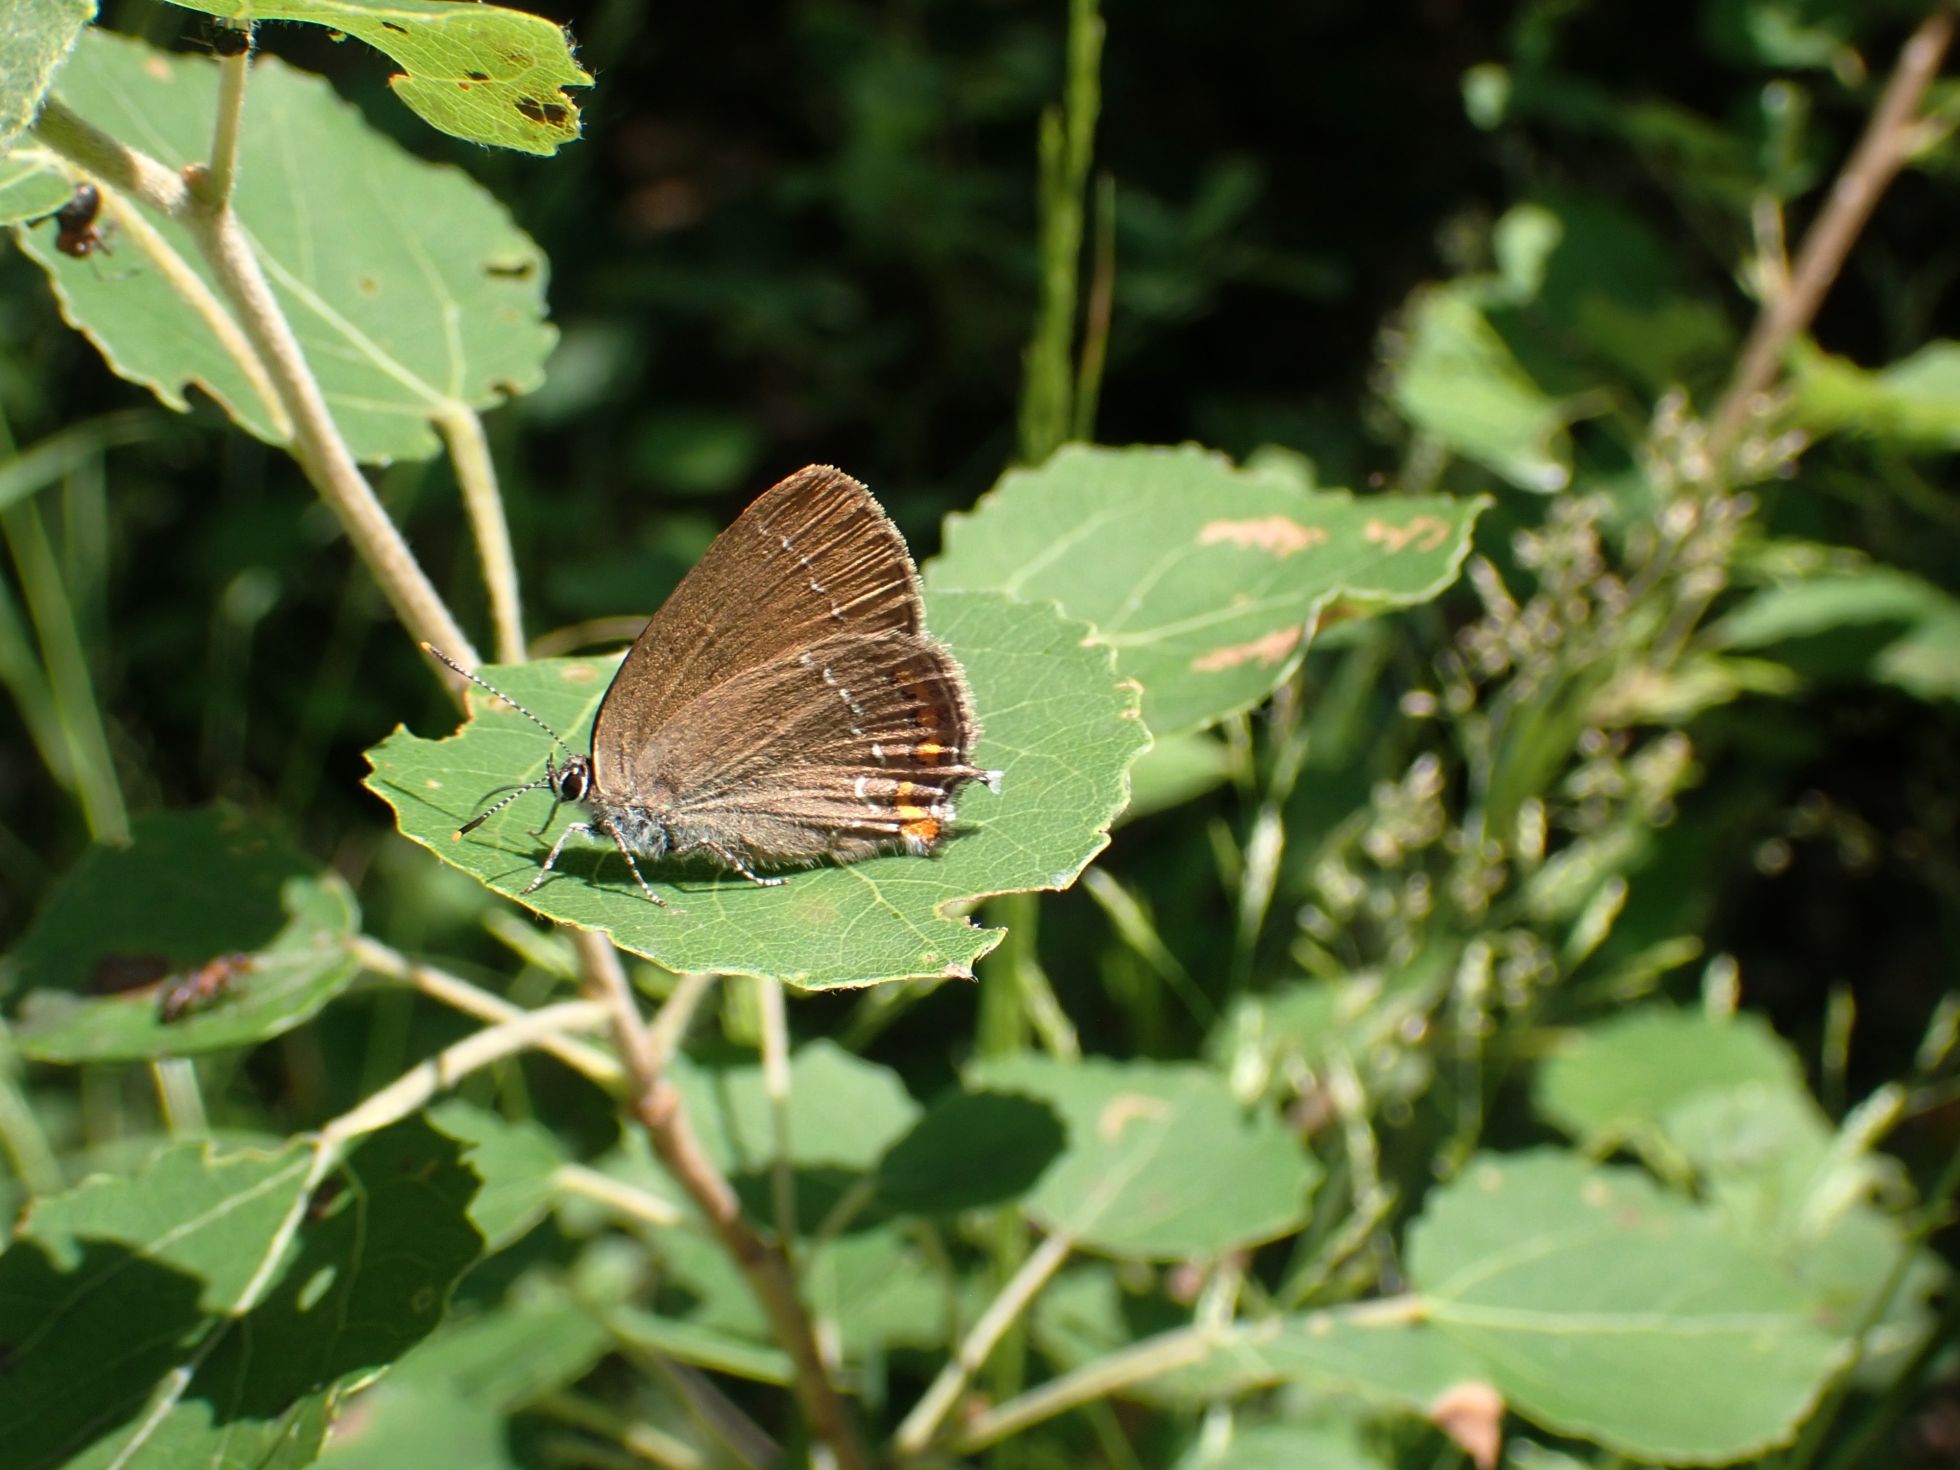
(415, 1087)
(476, 480)
(317, 444)
(222, 174)
(472, 1000)
(656, 1102)
(1151, 1358)
(1873, 164)
(776, 1089)
(923, 1422)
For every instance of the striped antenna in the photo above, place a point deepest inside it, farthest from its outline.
(437, 653)
(481, 817)
(550, 772)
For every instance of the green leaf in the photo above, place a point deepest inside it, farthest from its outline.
(1379, 1352)
(479, 72)
(971, 1150)
(411, 292)
(1619, 1078)
(1459, 381)
(39, 35)
(394, 1424)
(1604, 1308)
(30, 189)
(844, 1111)
(1281, 1445)
(208, 1311)
(448, 1401)
(1058, 722)
(191, 887)
(1915, 401)
(1161, 1162)
(1878, 623)
(516, 1161)
(1204, 579)
(1726, 1098)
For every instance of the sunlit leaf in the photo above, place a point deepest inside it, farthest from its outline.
(39, 34)
(411, 292)
(1059, 723)
(482, 72)
(1161, 1162)
(1205, 579)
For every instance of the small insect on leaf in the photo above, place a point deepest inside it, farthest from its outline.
(75, 223)
(201, 988)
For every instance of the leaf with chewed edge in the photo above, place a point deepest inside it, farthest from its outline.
(486, 73)
(1204, 578)
(1059, 723)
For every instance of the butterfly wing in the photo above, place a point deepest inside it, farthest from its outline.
(854, 745)
(813, 558)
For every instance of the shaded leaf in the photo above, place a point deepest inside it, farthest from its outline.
(1879, 623)
(1058, 722)
(411, 292)
(970, 1151)
(1161, 1162)
(516, 1160)
(203, 1313)
(481, 72)
(191, 888)
(1204, 579)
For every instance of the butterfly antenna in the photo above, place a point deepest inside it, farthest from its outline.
(483, 816)
(437, 653)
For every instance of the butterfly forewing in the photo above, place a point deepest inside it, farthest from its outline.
(850, 746)
(812, 559)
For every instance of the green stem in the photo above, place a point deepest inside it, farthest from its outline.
(69, 683)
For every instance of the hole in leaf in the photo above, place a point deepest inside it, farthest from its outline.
(389, 25)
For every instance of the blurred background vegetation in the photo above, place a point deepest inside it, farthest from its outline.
(806, 231)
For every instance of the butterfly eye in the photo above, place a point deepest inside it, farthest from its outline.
(569, 782)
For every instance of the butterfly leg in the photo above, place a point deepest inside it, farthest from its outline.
(627, 853)
(743, 868)
(557, 847)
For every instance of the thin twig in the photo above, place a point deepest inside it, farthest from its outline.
(317, 443)
(923, 1422)
(1873, 164)
(656, 1102)
(1151, 1358)
(471, 1000)
(476, 481)
(221, 175)
(416, 1087)
(775, 1088)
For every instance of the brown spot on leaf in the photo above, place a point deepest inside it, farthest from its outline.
(389, 25)
(1280, 535)
(1425, 533)
(1472, 1415)
(1123, 1110)
(1274, 648)
(549, 114)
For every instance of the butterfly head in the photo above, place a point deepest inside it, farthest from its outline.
(571, 781)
